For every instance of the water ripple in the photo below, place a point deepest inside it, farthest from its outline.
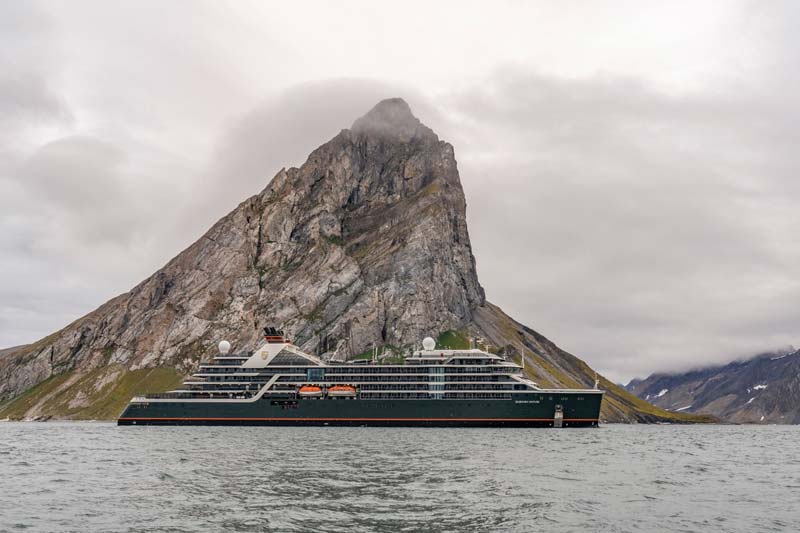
(98, 477)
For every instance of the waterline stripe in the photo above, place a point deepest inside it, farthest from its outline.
(378, 419)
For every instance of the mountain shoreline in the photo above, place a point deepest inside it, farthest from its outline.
(764, 389)
(364, 245)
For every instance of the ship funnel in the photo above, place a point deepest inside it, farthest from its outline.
(224, 347)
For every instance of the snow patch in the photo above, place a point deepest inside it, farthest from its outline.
(759, 387)
(779, 357)
(662, 393)
(683, 408)
(750, 400)
(762, 418)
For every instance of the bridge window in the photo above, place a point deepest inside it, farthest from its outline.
(315, 374)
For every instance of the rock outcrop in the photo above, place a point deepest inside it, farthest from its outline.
(764, 389)
(364, 245)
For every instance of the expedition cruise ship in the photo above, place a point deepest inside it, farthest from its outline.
(279, 384)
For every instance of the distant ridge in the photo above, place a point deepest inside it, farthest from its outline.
(764, 389)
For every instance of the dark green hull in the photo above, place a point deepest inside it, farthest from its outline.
(579, 408)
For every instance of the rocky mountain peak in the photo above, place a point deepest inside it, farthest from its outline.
(364, 245)
(392, 118)
(387, 195)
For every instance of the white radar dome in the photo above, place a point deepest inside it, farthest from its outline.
(224, 347)
(428, 343)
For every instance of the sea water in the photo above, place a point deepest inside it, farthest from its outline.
(99, 477)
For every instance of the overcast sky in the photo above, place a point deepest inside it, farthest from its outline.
(631, 168)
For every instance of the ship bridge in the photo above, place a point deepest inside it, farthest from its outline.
(471, 356)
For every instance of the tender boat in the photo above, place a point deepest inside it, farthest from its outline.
(309, 391)
(342, 391)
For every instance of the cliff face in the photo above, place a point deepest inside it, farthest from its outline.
(365, 244)
(764, 389)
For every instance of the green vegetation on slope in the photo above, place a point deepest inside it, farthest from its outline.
(101, 394)
(367, 354)
(387, 354)
(454, 340)
(656, 414)
(17, 407)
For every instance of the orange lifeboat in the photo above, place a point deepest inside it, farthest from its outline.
(342, 391)
(309, 391)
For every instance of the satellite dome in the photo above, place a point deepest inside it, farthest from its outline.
(428, 343)
(224, 347)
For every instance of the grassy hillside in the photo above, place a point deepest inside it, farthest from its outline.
(100, 394)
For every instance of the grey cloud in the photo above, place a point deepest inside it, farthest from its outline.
(281, 132)
(89, 191)
(27, 98)
(640, 229)
(76, 173)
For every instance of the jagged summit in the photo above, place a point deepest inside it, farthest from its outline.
(392, 117)
(389, 110)
(364, 245)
